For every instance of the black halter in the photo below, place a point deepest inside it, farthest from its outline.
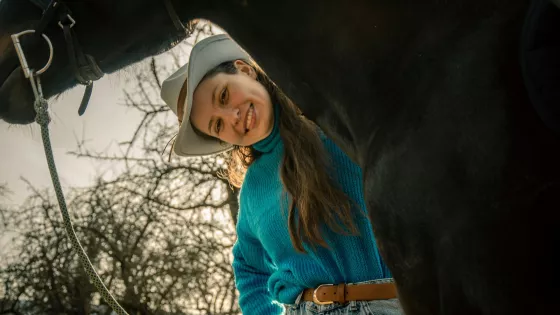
(85, 68)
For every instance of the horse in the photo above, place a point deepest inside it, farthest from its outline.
(437, 101)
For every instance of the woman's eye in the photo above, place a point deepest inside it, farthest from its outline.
(223, 96)
(218, 126)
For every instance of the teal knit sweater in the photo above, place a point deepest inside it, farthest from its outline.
(267, 269)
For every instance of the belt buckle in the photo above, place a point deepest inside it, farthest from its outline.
(316, 300)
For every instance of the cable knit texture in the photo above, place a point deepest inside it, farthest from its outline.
(268, 270)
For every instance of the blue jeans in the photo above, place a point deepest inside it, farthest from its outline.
(375, 307)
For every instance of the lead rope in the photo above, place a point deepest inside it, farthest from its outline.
(43, 119)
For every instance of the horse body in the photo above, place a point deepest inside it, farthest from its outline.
(461, 176)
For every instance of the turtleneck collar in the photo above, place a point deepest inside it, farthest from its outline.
(267, 144)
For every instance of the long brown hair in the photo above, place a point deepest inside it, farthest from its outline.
(305, 170)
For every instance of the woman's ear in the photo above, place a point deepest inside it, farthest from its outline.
(245, 68)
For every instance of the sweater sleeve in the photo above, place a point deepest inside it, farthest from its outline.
(252, 271)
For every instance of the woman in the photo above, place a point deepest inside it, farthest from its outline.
(304, 239)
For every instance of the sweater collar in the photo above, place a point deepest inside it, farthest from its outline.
(267, 144)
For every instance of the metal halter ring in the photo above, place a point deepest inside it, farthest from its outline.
(21, 54)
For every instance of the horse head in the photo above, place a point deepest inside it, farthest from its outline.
(113, 33)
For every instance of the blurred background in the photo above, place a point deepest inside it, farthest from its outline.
(159, 232)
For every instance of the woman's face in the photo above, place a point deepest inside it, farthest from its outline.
(234, 108)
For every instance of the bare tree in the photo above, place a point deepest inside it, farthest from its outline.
(160, 233)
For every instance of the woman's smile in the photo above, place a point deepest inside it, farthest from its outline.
(251, 119)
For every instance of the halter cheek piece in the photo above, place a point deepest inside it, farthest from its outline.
(85, 68)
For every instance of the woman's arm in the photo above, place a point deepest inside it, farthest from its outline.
(252, 271)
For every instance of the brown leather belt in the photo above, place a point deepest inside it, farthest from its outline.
(342, 293)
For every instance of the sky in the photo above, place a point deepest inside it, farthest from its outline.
(105, 123)
(21, 148)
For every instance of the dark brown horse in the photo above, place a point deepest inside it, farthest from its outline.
(447, 105)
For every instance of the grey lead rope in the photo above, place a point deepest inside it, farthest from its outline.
(43, 119)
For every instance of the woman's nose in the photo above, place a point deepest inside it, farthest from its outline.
(233, 115)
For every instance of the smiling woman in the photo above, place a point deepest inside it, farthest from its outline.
(283, 163)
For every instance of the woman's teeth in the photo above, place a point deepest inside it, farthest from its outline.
(249, 118)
